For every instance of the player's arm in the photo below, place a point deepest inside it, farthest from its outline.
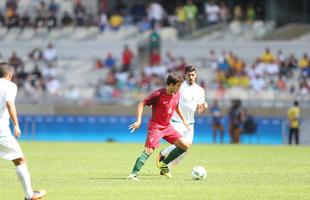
(201, 108)
(13, 115)
(180, 113)
(137, 124)
(202, 104)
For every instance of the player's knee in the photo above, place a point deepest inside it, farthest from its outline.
(186, 146)
(19, 161)
(149, 151)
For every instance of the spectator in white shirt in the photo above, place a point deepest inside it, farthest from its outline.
(155, 12)
(212, 60)
(50, 54)
(212, 12)
(258, 83)
(49, 71)
(52, 86)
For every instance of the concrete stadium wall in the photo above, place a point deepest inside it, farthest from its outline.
(248, 50)
(31, 109)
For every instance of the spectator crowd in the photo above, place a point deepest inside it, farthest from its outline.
(281, 73)
(186, 16)
(41, 77)
(274, 72)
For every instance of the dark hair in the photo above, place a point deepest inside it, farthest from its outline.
(5, 69)
(174, 79)
(189, 68)
(295, 103)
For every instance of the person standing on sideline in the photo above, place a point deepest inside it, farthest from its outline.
(236, 118)
(192, 99)
(216, 122)
(164, 102)
(293, 115)
(9, 147)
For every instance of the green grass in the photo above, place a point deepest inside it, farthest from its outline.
(98, 171)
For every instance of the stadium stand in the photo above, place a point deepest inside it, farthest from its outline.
(230, 71)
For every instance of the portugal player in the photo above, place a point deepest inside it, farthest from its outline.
(164, 102)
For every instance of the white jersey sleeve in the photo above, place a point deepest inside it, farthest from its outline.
(8, 91)
(202, 98)
(11, 93)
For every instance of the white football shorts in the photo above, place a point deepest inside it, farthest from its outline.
(181, 128)
(9, 148)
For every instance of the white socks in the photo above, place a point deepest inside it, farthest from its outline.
(24, 177)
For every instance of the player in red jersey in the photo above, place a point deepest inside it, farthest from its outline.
(164, 102)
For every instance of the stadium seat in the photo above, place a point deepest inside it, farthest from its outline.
(235, 27)
(12, 34)
(27, 34)
(3, 32)
(54, 34)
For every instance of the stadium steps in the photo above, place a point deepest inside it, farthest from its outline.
(66, 32)
(27, 34)
(54, 34)
(3, 32)
(237, 31)
(305, 37)
(124, 33)
(12, 35)
(200, 33)
(288, 32)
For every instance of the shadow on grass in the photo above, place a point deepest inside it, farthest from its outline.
(124, 177)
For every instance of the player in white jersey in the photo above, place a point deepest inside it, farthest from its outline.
(192, 99)
(9, 147)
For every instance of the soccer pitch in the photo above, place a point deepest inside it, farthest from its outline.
(99, 170)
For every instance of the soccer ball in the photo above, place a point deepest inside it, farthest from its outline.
(199, 173)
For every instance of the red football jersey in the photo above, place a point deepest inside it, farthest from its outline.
(163, 107)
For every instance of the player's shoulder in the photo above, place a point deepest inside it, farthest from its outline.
(9, 84)
(12, 85)
(199, 88)
(159, 92)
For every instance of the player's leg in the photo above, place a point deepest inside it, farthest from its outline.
(231, 132)
(214, 129)
(290, 136)
(179, 127)
(23, 175)
(164, 153)
(10, 150)
(173, 137)
(181, 146)
(140, 161)
(152, 142)
(297, 136)
(188, 135)
(237, 135)
(222, 133)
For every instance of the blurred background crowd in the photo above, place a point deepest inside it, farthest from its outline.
(115, 52)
